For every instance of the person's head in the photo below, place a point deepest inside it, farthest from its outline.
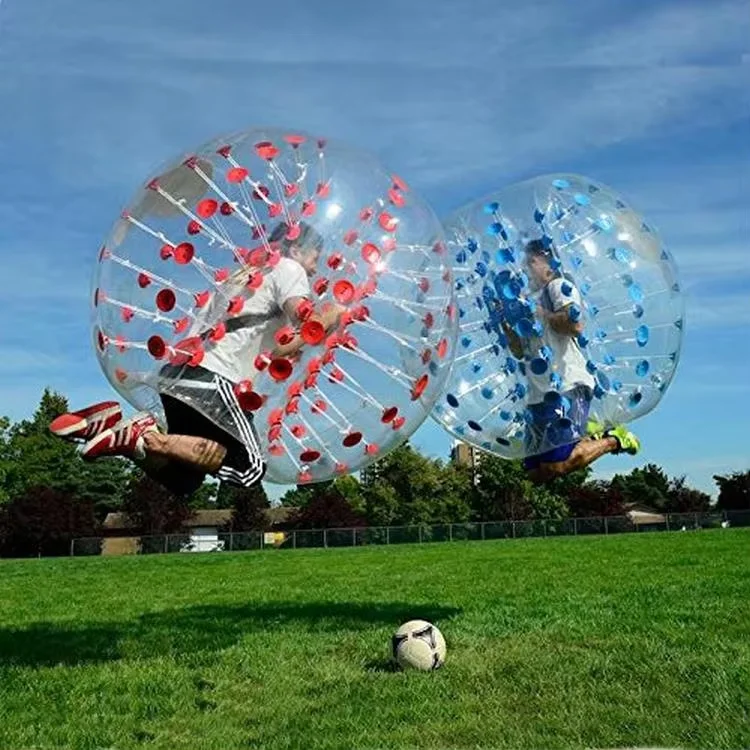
(539, 259)
(305, 249)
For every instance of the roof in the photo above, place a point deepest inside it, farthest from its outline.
(209, 517)
(639, 516)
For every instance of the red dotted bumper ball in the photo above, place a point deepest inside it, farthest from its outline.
(300, 271)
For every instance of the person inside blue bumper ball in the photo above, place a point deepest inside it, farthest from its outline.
(560, 438)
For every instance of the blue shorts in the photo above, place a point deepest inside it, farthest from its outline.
(556, 426)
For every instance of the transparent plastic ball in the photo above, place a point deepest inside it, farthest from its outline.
(570, 316)
(300, 271)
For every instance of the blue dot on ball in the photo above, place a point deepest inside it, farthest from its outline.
(452, 400)
(474, 425)
(560, 184)
(506, 416)
(581, 199)
(635, 293)
(642, 368)
(538, 366)
(642, 335)
(487, 393)
(635, 399)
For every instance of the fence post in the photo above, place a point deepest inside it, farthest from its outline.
(482, 525)
(696, 520)
(261, 540)
(166, 543)
(575, 527)
(666, 518)
(606, 525)
(72, 547)
(450, 532)
(354, 537)
(514, 528)
(325, 538)
(387, 534)
(294, 540)
(231, 541)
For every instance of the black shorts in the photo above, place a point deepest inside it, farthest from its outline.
(190, 400)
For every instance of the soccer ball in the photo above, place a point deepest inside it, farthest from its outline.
(418, 644)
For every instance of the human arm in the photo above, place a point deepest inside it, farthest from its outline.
(514, 341)
(328, 316)
(566, 322)
(565, 318)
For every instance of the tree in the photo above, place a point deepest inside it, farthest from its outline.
(734, 491)
(328, 510)
(154, 509)
(595, 499)
(205, 496)
(504, 492)
(684, 499)
(249, 505)
(43, 520)
(30, 456)
(409, 488)
(647, 486)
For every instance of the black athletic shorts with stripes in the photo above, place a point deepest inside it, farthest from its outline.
(214, 404)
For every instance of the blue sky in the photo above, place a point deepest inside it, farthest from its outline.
(652, 98)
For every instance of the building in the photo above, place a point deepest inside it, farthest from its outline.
(204, 531)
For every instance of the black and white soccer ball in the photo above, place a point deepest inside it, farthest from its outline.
(418, 644)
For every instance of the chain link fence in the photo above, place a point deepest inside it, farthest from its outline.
(357, 537)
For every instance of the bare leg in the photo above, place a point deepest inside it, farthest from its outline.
(198, 453)
(585, 453)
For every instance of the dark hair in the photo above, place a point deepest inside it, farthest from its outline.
(308, 237)
(537, 247)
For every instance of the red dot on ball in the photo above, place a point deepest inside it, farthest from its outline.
(389, 414)
(352, 439)
(343, 291)
(419, 387)
(207, 208)
(166, 300)
(156, 347)
(184, 253)
(312, 332)
(309, 456)
(280, 369)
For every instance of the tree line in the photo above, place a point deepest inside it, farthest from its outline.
(49, 495)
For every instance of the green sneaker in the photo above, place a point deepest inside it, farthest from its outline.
(628, 442)
(595, 430)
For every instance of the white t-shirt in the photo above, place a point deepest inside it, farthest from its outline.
(567, 359)
(234, 355)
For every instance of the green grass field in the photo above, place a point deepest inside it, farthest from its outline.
(595, 642)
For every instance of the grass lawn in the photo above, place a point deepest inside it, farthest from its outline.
(588, 642)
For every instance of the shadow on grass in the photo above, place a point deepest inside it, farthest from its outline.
(193, 631)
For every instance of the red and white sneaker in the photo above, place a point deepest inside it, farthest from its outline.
(87, 423)
(124, 439)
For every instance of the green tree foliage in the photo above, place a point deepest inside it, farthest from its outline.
(30, 456)
(734, 491)
(154, 509)
(328, 509)
(42, 521)
(409, 488)
(595, 499)
(248, 506)
(650, 486)
(647, 486)
(504, 492)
